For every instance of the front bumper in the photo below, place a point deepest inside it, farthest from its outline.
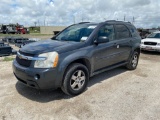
(150, 48)
(47, 78)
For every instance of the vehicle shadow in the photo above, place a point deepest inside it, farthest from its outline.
(51, 95)
(106, 75)
(150, 52)
(42, 96)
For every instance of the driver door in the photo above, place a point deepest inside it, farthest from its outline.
(103, 54)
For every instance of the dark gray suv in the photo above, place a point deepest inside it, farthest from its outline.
(80, 51)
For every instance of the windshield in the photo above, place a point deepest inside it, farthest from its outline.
(154, 35)
(76, 33)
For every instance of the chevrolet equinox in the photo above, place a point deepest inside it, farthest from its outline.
(80, 51)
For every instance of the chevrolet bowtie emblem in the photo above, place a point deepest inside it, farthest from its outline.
(22, 57)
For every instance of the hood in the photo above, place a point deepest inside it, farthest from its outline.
(151, 40)
(44, 46)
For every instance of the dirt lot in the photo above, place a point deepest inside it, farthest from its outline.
(118, 94)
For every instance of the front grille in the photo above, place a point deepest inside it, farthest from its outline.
(23, 62)
(150, 43)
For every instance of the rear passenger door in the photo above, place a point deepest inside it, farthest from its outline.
(123, 43)
(114, 52)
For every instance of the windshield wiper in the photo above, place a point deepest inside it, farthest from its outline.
(53, 38)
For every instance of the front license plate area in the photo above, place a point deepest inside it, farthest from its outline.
(148, 48)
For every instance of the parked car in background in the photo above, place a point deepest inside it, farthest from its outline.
(21, 29)
(8, 29)
(5, 49)
(7, 39)
(78, 52)
(3, 29)
(16, 40)
(23, 43)
(152, 42)
(13, 29)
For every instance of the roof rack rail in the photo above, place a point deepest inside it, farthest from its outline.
(110, 21)
(83, 22)
(117, 21)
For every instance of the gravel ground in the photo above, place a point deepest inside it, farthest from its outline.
(117, 94)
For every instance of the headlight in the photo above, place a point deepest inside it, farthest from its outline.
(158, 43)
(142, 42)
(51, 60)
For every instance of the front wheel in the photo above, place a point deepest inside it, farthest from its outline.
(75, 79)
(133, 62)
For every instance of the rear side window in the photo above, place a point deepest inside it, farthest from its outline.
(133, 31)
(122, 32)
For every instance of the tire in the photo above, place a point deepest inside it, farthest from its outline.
(75, 80)
(133, 62)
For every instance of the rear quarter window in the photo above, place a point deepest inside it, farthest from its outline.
(133, 31)
(122, 31)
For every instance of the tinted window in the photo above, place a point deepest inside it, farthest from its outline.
(133, 31)
(107, 31)
(122, 32)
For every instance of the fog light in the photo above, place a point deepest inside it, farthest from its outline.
(37, 77)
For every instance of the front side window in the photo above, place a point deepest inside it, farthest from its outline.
(122, 32)
(107, 31)
(76, 33)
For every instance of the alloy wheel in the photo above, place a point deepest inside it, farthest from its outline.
(77, 80)
(135, 61)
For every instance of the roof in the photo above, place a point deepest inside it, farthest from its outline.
(108, 21)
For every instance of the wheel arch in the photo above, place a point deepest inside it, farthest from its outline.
(138, 50)
(83, 61)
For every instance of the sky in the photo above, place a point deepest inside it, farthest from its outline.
(142, 13)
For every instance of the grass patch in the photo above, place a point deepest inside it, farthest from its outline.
(39, 34)
(4, 35)
(6, 59)
(34, 29)
(24, 35)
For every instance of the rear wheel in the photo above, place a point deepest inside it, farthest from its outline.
(133, 62)
(75, 79)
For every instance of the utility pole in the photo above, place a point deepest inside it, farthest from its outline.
(124, 17)
(44, 21)
(38, 23)
(133, 20)
(35, 23)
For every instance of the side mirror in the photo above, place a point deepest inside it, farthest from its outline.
(101, 39)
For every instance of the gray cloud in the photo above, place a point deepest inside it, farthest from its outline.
(136, 3)
(62, 12)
